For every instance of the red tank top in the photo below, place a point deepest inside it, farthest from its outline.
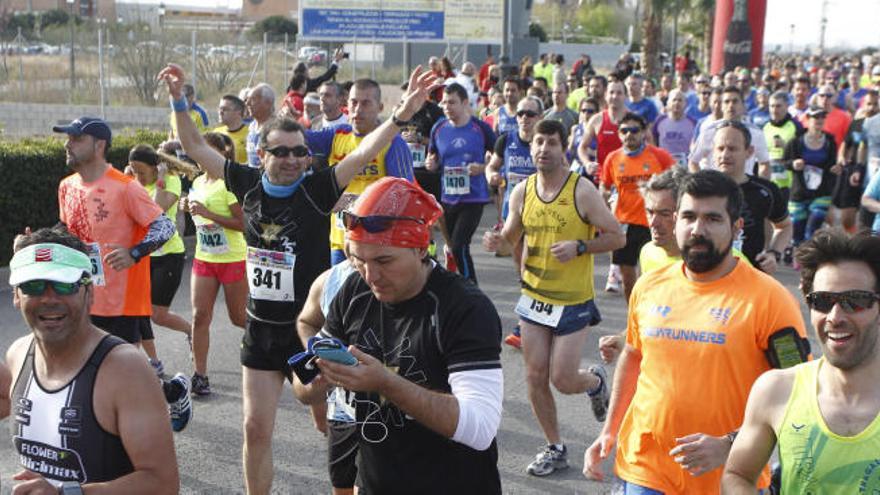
(607, 141)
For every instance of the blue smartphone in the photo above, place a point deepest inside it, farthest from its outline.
(333, 350)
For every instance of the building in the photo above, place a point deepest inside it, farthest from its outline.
(254, 10)
(105, 9)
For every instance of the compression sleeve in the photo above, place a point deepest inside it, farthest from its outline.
(159, 232)
(479, 394)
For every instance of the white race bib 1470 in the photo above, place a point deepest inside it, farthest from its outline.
(456, 180)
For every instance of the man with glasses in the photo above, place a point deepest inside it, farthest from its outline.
(88, 414)
(673, 131)
(626, 169)
(557, 303)
(427, 386)
(699, 333)
(825, 414)
(395, 160)
(837, 121)
(286, 229)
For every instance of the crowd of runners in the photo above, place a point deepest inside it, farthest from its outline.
(320, 221)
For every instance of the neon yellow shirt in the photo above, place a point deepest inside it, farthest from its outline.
(172, 185)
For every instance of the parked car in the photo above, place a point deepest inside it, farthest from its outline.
(312, 55)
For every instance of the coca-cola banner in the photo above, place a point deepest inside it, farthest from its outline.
(738, 38)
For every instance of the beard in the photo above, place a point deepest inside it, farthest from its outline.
(703, 261)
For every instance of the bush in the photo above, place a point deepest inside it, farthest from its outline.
(275, 26)
(537, 31)
(31, 171)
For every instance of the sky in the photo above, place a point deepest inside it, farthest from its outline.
(851, 23)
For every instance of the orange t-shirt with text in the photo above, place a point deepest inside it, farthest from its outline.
(112, 211)
(702, 347)
(627, 173)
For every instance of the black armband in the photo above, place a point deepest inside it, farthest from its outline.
(786, 348)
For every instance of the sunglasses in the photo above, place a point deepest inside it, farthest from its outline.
(588, 110)
(826, 95)
(630, 130)
(527, 113)
(38, 287)
(299, 151)
(373, 223)
(851, 301)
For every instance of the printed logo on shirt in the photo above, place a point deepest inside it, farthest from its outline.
(661, 310)
(459, 142)
(52, 462)
(685, 334)
(721, 315)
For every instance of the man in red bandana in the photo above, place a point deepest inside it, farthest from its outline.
(427, 387)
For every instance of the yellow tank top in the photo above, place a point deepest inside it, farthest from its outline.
(343, 144)
(545, 222)
(175, 244)
(814, 459)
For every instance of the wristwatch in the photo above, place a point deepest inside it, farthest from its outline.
(582, 247)
(70, 488)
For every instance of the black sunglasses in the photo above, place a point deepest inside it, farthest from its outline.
(588, 110)
(527, 113)
(299, 151)
(373, 223)
(826, 95)
(38, 287)
(851, 301)
(630, 130)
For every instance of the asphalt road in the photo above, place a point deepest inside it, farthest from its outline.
(209, 450)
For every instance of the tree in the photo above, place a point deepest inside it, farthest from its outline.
(652, 35)
(537, 31)
(276, 26)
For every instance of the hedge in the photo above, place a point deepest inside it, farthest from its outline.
(31, 170)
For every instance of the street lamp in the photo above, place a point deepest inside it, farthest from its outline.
(161, 12)
(72, 56)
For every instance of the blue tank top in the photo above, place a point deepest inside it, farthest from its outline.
(506, 121)
(517, 165)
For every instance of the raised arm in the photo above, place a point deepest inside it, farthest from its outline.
(209, 159)
(418, 90)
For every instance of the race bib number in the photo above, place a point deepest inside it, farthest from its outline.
(97, 264)
(212, 238)
(812, 177)
(418, 154)
(457, 181)
(340, 405)
(270, 274)
(514, 178)
(539, 312)
(777, 170)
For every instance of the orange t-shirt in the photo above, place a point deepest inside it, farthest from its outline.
(702, 347)
(627, 174)
(114, 210)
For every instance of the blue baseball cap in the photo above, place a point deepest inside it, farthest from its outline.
(92, 126)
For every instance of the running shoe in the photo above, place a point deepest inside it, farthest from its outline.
(179, 406)
(613, 282)
(158, 367)
(548, 460)
(514, 340)
(200, 385)
(600, 397)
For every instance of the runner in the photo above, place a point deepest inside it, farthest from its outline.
(637, 102)
(230, 111)
(780, 130)
(825, 414)
(332, 101)
(837, 121)
(261, 107)
(505, 117)
(733, 110)
(458, 149)
(427, 388)
(218, 261)
(559, 111)
(364, 106)
(88, 413)
(603, 128)
(760, 115)
(166, 263)
(801, 92)
(848, 187)
(587, 108)
(762, 201)
(624, 169)
(198, 114)
(121, 224)
(812, 158)
(286, 230)
(673, 131)
(556, 306)
(699, 334)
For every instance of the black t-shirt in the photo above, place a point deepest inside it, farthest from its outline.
(297, 225)
(450, 326)
(823, 158)
(762, 201)
(423, 120)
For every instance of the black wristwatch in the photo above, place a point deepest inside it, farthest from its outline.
(70, 488)
(582, 247)
(776, 254)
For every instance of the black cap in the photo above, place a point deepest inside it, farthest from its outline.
(92, 126)
(816, 112)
